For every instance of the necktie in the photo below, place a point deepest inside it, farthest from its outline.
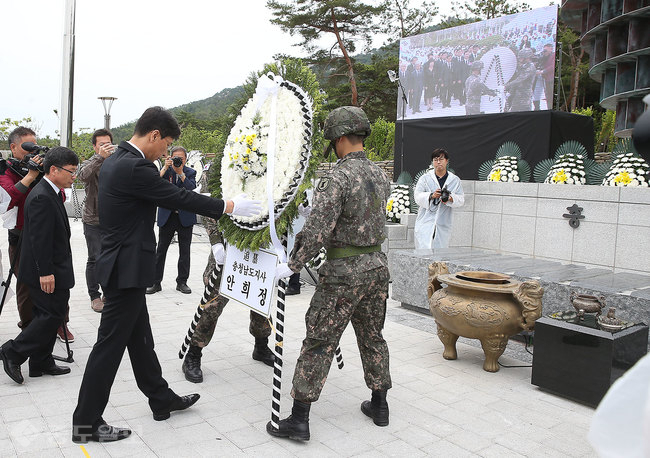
(62, 194)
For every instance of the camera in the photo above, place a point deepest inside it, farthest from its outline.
(34, 150)
(177, 161)
(444, 194)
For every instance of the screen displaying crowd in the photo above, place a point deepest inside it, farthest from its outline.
(494, 66)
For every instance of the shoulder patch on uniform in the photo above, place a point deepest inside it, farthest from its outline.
(324, 183)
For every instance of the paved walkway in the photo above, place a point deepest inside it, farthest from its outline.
(438, 408)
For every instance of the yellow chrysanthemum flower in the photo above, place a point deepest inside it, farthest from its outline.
(623, 178)
(560, 176)
(495, 176)
(389, 205)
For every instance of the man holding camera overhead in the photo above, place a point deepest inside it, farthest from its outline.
(18, 181)
(436, 193)
(172, 221)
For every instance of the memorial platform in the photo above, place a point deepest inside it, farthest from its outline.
(629, 293)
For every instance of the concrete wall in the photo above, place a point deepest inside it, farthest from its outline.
(526, 219)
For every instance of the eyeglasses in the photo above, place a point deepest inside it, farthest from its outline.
(439, 159)
(71, 172)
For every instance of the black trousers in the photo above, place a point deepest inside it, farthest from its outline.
(165, 235)
(36, 341)
(23, 301)
(124, 325)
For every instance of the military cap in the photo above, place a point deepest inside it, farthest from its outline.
(477, 65)
(345, 121)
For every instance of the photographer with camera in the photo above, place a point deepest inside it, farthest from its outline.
(18, 180)
(171, 220)
(436, 193)
(102, 141)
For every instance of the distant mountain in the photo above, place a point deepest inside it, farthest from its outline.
(206, 109)
(211, 107)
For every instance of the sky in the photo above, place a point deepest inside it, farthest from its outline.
(144, 52)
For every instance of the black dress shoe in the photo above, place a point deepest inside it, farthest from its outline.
(180, 403)
(291, 291)
(53, 370)
(11, 368)
(104, 433)
(183, 288)
(154, 289)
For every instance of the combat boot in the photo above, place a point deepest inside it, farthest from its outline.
(377, 408)
(296, 425)
(262, 352)
(192, 365)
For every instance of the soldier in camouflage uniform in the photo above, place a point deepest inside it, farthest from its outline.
(259, 326)
(474, 89)
(348, 218)
(520, 86)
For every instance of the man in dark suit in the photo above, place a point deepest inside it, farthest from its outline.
(416, 83)
(173, 221)
(45, 267)
(446, 81)
(130, 188)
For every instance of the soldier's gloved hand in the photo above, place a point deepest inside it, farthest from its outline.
(283, 271)
(219, 253)
(304, 210)
(245, 207)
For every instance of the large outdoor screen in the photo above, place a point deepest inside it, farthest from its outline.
(495, 66)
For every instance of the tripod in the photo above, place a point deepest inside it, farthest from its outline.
(7, 282)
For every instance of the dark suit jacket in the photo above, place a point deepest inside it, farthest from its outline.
(45, 248)
(130, 189)
(186, 218)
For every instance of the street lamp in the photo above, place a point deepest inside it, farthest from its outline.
(107, 102)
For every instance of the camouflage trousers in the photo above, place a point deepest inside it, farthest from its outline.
(259, 326)
(336, 302)
(473, 107)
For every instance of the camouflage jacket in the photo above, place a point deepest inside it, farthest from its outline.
(349, 209)
(474, 89)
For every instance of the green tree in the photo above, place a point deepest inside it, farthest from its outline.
(345, 21)
(209, 142)
(8, 124)
(400, 20)
(575, 64)
(380, 144)
(488, 9)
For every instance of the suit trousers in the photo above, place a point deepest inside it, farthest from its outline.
(93, 236)
(165, 235)
(23, 301)
(124, 325)
(36, 341)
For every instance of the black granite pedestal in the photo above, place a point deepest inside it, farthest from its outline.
(581, 362)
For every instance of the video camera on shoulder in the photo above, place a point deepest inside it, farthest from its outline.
(27, 163)
(34, 150)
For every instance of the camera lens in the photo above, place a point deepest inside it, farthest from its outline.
(177, 161)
